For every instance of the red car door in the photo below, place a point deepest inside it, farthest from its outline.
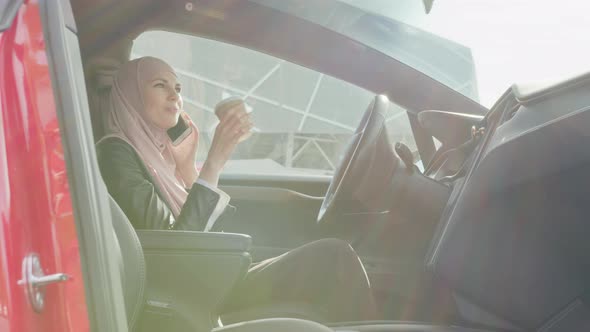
(41, 280)
(41, 284)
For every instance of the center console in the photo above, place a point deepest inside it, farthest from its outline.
(188, 276)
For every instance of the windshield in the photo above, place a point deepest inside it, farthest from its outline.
(476, 47)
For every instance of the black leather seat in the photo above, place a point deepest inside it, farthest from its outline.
(132, 263)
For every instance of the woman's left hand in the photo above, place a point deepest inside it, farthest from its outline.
(185, 153)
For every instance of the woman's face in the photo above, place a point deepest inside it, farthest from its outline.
(162, 101)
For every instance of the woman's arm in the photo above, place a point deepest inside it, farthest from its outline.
(130, 185)
(233, 125)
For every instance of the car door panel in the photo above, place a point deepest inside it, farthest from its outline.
(277, 218)
(280, 214)
(308, 185)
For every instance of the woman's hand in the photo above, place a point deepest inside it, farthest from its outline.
(185, 153)
(233, 125)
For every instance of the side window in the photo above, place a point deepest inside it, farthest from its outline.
(303, 118)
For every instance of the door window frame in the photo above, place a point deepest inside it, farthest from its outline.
(92, 216)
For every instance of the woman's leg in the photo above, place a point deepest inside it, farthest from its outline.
(326, 274)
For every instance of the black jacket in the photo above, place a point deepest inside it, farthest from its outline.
(132, 187)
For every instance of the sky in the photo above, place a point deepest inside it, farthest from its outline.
(511, 41)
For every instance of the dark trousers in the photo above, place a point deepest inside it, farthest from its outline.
(326, 277)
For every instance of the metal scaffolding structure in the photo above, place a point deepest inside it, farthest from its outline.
(291, 155)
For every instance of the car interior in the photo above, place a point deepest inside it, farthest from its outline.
(488, 236)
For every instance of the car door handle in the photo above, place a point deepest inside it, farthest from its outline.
(44, 280)
(34, 281)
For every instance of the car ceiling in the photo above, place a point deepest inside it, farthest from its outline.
(107, 28)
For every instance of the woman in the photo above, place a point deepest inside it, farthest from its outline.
(159, 187)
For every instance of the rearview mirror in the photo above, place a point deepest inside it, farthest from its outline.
(427, 5)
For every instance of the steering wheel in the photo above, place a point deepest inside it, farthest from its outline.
(367, 157)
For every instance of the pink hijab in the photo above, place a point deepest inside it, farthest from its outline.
(125, 120)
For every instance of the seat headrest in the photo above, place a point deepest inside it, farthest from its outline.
(103, 70)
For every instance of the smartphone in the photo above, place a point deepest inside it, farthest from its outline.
(179, 132)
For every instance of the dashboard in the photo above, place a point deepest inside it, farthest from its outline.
(513, 235)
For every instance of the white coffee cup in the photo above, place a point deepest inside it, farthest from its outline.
(230, 103)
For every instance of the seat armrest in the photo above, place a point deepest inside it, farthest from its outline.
(193, 241)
